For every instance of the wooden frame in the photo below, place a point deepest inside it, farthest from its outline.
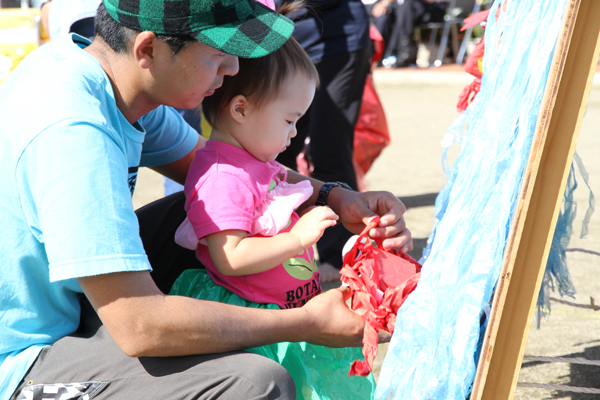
(544, 180)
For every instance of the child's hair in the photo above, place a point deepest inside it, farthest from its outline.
(260, 79)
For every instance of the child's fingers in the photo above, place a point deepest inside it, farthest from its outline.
(307, 210)
(326, 223)
(318, 214)
(325, 212)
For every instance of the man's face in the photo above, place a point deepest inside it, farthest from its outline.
(183, 80)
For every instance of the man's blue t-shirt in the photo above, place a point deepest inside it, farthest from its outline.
(68, 162)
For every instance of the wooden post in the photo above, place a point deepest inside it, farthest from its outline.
(540, 199)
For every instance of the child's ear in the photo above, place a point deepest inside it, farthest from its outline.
(238, 108)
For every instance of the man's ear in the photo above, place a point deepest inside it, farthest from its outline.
(239, 107)
(144, 49)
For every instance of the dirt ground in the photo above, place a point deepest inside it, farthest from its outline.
(419, 105)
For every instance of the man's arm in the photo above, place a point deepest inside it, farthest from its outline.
(145, 322)
(178, 170)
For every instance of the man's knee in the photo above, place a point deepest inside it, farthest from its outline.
(272, 381)
(235, 375)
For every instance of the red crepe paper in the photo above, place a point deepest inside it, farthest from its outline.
(475, 19)
(468, 95)
(381, 280)
(472, 66)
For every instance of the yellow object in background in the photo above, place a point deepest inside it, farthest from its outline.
(205, 127)
(19, 36)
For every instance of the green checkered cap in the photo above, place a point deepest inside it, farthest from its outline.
(243, 28)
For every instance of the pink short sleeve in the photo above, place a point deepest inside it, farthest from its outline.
(222, 202)
(268, 3)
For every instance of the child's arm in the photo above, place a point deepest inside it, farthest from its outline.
(235, 254)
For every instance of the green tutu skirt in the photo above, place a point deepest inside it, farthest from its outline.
(320, 373)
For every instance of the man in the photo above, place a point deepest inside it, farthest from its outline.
(77, 119)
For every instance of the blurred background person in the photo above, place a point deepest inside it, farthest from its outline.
(396, 20)
(335, 34)
(60, 17)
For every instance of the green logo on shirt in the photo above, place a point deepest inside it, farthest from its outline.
(301, 267)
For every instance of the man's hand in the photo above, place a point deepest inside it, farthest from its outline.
(337, 325)
(330, 322)
(357, 209)
(380, 8)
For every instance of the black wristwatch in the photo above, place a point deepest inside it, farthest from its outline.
(326, 188)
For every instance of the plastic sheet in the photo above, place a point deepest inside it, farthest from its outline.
(320, 373)
(432, 352)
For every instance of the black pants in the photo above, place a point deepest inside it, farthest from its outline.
(330, 123)
(89, 362)
(398, 27)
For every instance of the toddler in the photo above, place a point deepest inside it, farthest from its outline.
(238, 201)
(241, 217)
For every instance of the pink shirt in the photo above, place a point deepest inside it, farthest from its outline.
(224, 187)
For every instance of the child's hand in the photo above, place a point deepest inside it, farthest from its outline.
(312, 224)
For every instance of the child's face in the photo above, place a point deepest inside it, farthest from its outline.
(271, 128)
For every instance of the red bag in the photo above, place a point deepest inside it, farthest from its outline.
(378, 44)
(371, 134)
(381, 280)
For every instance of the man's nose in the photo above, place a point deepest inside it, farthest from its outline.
(230, 65)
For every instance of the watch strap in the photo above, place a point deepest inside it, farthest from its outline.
(325, 189)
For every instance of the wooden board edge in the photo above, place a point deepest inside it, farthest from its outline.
(520, 301)
(526, 190)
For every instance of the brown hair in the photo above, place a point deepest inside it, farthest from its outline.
(260, 79)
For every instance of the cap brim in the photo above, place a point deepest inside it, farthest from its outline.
(261, 33)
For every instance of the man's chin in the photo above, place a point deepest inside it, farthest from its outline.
(190, 105)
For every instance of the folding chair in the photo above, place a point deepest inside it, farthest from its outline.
(456, 12)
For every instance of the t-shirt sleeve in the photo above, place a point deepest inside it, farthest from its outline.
(168, 137)
(72, 182)
(220, 202)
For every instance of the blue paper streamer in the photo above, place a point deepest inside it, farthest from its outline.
(556, 276)
(432, 352)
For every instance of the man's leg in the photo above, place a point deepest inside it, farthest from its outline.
(409, 14)
(90, 361)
